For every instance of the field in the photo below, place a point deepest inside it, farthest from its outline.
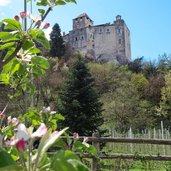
(137, 149)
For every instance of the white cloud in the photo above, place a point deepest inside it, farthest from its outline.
(5, 2)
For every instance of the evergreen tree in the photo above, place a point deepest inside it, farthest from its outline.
(57, 45)
(79, 102)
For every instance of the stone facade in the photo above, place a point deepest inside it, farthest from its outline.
(105, 42)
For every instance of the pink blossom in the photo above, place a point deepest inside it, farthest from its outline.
(54, 133)
(46, 26)
(23, 14)
(22, 132)
(40, 131)
(38, 22)
(46, 109)
(14, 120)
(17, 17)
(2, 115)
(21, 145)
(12, 141)
(31, 16)
(9, 119)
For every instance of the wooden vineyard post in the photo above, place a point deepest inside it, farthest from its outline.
(97, 146)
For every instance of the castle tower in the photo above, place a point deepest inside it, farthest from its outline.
(82, 21)
(122, 32)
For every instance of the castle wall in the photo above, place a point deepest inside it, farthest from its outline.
(108, 42)
(127, 43)
(104, 40)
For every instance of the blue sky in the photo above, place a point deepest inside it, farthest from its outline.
(149, 21)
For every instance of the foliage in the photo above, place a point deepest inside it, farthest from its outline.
(79, 101)
(164, 110)
(21, 61)
(140, 82)
(18, 150)
(164, 64)
(122, 95)
(20, 66)
(136, 65)
(152, 92)
(57, 48)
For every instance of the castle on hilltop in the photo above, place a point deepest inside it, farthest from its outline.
(105, 42)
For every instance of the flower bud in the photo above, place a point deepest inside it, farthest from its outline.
(46, 25)
(23, 14)
(2, 115)
(21, 145)
(38, 22)
(17, 18)
(15, 121)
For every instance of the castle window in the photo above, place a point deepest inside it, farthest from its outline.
(100, 30)
(76, 39)
(119, 31)
(107, 30)
(120, 41)
(82, 38)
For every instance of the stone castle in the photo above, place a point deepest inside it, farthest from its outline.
(105, 42)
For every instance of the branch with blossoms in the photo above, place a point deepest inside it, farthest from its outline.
(19, 43)
(20, 141)
(22, 63)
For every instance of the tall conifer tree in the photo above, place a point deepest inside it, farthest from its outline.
(56, 41)
(79, 101)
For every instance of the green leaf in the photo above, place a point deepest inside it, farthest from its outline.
(31, 88)
(4, 78)
(4, 35)
(78, 165)
(71, 1)
(60, 2)
(5, 159)
(62, 165)
(12, 168)
(27, 44)
(7, 45)
(11, 67)
(15, 67)
(33, 32)
(40, 61)
(10, 36)
(12, 24)
(34, 50)
(37, 71)
(14, 153)
(60, 117)
(67, 160)
(41, 11)
(41, 38)
(9, 53)
(66, 155)
(43, 3)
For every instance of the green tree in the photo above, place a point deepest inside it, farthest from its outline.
(164, 109)
(136, 66)
(57, 48)
(79, 102)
